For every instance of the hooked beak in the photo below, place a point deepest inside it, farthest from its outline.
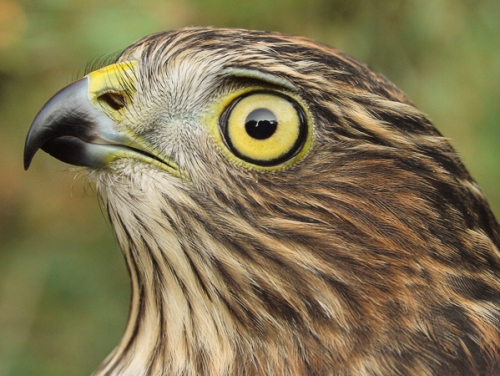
(78, 125)
(71, 129)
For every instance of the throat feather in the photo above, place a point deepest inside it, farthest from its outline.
(175, 326)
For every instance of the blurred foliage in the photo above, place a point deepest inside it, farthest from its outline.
(64, 289)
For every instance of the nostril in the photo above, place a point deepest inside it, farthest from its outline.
(114, 100)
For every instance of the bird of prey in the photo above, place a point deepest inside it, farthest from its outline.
(282, 209)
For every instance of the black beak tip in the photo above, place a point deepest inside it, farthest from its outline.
(29, 153)
(27, 161)
(32, 144)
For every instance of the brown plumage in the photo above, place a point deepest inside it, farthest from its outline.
(365, 250)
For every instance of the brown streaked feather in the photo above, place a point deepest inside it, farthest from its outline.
(376, 254)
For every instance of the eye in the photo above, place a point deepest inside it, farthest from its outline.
(265, 129)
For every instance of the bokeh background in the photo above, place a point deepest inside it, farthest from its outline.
(64, 289)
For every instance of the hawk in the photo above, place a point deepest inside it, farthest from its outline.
(282, 209)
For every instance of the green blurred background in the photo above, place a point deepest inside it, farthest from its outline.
(64, 289)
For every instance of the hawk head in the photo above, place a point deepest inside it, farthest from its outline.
(283, 210)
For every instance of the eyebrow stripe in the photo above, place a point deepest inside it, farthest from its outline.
(258, 75)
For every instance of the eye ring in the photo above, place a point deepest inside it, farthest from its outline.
(296, 143)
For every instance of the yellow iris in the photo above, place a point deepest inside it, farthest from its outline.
(264, 128)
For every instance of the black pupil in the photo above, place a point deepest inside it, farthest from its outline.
(261, 124)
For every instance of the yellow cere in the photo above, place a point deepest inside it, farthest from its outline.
(109, 89)
(281, 141)
(117, 79)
